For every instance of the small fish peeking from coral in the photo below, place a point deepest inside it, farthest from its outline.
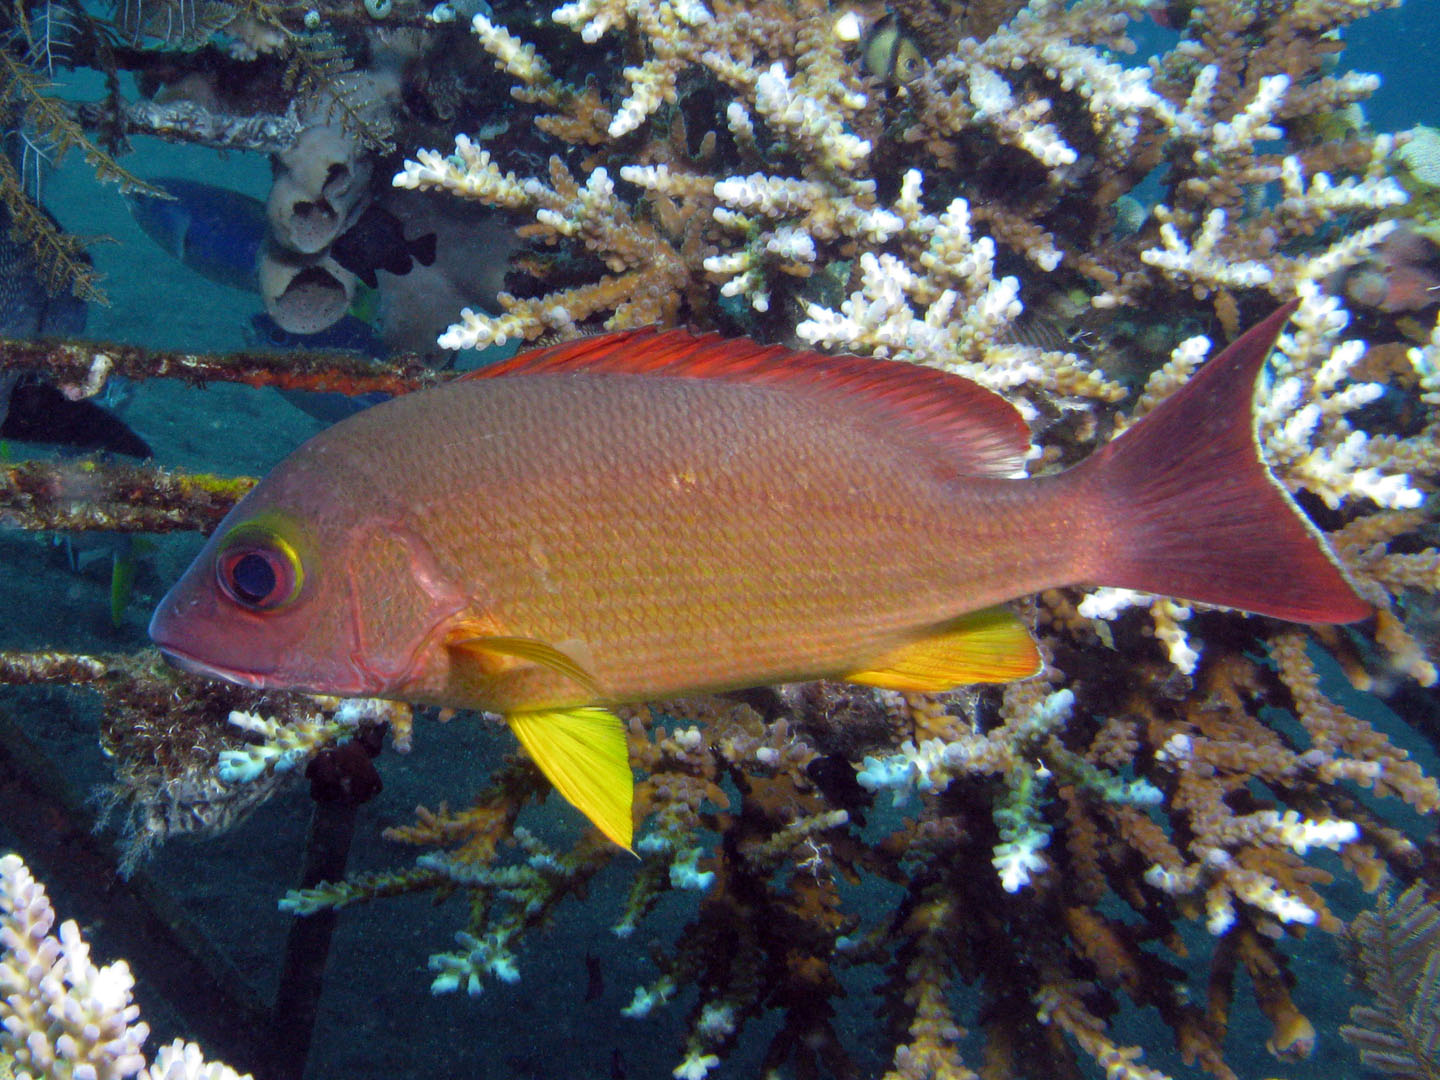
(651, 514)
(891, 55)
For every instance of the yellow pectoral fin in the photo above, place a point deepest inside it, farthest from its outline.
(493, 654)
(582, 752)
(991, 645)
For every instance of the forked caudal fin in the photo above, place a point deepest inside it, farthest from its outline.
(1193, 512)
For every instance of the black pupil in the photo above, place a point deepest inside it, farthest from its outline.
(252, 577)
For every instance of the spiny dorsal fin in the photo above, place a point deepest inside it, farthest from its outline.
(979, 432)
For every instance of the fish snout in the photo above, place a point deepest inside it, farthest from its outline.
(191, 666)
(187, 625)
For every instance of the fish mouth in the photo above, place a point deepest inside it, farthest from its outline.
(193, 666)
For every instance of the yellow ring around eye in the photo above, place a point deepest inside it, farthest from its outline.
(268, 530)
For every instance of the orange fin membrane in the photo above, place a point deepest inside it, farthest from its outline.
(583, 753)
(1193, 511)
(989, 646)
(495, 653)
(978, 432)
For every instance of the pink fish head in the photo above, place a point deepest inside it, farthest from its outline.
(305, 587)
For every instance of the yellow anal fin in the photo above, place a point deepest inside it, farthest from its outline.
(985, 646)
(582, 752)
(493, 654)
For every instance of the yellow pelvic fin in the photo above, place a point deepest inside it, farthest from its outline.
(496, 653)
(582, 752)
(987, 646)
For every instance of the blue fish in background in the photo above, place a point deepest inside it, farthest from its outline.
(218, 233)
(348, 335)
(221, 234)
(212, 230)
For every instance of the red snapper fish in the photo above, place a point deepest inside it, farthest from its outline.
(650, 514)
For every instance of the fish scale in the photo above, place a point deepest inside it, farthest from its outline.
(631, 541)
(650, 514)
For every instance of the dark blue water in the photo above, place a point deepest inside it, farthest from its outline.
(1399, 45)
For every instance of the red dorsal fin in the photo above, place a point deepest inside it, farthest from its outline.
(978, 431)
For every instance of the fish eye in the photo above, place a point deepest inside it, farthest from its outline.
(907, 63)
(257, 569)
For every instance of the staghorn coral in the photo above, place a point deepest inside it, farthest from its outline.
(1048, 120)
(1060, 842)
(739, 819)
(832, 191)
(61, 1015)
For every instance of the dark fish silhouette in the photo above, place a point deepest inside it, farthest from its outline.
(31, 410)
(377, 242)
(40, 413)
(594, 978)
(835, 777)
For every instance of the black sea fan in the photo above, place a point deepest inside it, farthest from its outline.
(1395, 955)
